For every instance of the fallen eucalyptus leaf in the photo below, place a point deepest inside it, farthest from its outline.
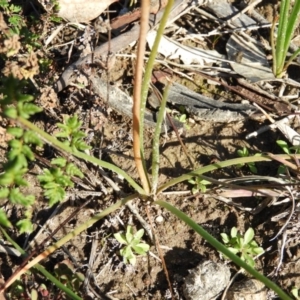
(80, 11)
(188, 55)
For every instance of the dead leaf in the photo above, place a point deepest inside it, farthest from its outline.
(82, 11)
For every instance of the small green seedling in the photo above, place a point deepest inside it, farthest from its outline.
(286, 148)
(199, 185)
(295, 293)
(66, 273)
(243, 245)
(182, 118)
(132, 242)
(245, 153)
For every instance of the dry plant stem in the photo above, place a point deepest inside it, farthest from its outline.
(136, 111)
(272, 42)
(65, 239)
(289, 217)
(284, 162)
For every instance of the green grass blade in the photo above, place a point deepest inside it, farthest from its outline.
(150, 64)
(220, 165)
(292, 22)
(220, 247)
(295, 54)
(280, 40)
(155, 143)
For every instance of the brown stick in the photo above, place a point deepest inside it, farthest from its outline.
(136, 110)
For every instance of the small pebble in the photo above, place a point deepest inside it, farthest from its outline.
(159, 219)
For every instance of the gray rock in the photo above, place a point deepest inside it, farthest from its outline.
(206, 281)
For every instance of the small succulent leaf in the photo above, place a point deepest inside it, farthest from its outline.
(3, 219)
(258, 250)
(20, 181)
(80, 276)
(240, 242)
(78, 135)
(65, 181)
(233, 250)
(192, 181)
(16, 144)
(284, 146)
(55, 195)
(205, 182)
(252, 168)
(30, 199)
(73, 123)
(134, 242)
(30, 109)
(6, 179)
(28, 153)
(62, 134)
(15, 196)
(15, 131)
(81, 146)
(31, 137)
(132, 260)
(59, 161)
(128, 252)
(248, 259)
(25, 226)
(225, 238)
(13, 153)
(253, 244)
(10, 112)
(46, 176)
(295, 292)
(25, 98)
(129, 234)
(138, 235)
(123, 251)
(249, 235)
(73, 170)
(233, 232)
(50, 185)
(34, 294)
(203, 188)
(141, 248)
(22, 161)
(4, 192)
(120, 238)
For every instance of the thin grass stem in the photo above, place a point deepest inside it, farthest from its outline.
(274, 67)
(150, 64)
(155, 143)
(295, 54)
(282, 28)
